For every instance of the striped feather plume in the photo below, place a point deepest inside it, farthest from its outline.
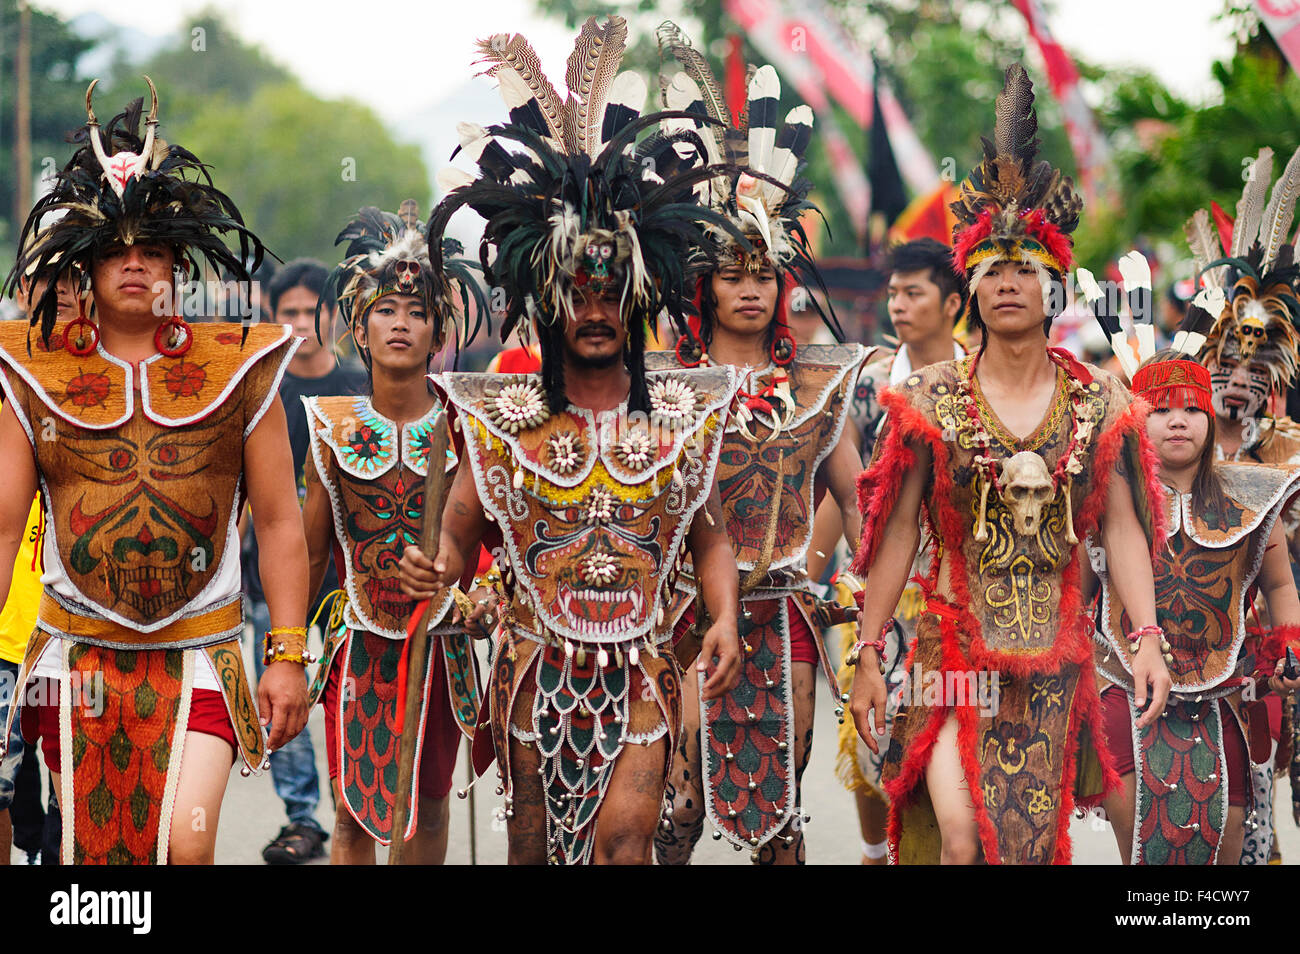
(1203, 240)
(693, 88)
(1250, 207)
(515, 53)
(589, 74)
(1281, 207)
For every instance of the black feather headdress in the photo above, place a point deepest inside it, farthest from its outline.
(766, 196)
(583, 193)
(388, 253)
(119, 189)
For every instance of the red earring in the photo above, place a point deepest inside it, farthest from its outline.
(80, 336)
(783, 346)
(173, 337)
(690, 351)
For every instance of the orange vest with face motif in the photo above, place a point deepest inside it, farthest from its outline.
(141, 466)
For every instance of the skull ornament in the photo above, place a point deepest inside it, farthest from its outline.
(1026, 490)
(407, 272)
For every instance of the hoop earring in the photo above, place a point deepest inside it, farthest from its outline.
(783, 347)
(173, 337)
(80, 336)
(690, 351)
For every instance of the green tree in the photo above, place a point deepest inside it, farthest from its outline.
(298, 166)
(56, 95)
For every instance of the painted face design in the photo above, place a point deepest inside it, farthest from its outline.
(1238, 391)
(601, 552)
(383, 517)
(147, 530)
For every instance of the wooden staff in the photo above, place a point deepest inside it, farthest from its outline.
(417, 653)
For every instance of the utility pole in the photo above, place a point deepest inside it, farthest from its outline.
(23, 119)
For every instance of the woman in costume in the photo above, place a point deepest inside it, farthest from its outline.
(1011, 456)
(364, 504)
(741, 757)
(144, 435)
(1185, 777)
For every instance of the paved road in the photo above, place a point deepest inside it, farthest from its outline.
(251, 814)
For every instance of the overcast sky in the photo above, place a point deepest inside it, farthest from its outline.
(428, 47)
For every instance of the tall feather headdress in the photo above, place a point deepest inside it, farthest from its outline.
(1014, 206)
(575, 200)
(766, 196)
(1253, 290)
(119, 189)
(388, 253)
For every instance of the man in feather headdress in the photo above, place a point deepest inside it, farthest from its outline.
(365, 485)
(1017, 452)
(594, 477)
(145, 434)
(783, 449)
(1250, 304)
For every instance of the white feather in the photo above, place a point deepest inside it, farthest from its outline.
(1091, 290)
(784, 162)
(1119, 345)
(764, 85)
(1135, 271)
(1146, 338)
(680, 93)
(450, 179)
(1211, 300)
(627, 90)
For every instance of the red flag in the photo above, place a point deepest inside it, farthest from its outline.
(735, 90)
(928, 216)
(1223, 222)
(1282, 17)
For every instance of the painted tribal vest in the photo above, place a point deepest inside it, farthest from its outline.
(821, 377)
(1202, 580)
(375, 480)
(1015, 582)
(593, 510)
(142, 492)
(771, 450)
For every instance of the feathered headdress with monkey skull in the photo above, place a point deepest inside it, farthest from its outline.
(119, 189)
(1250, 300)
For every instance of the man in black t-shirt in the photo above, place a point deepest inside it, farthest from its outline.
(293, 293)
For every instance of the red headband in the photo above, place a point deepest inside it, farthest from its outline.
(1177, 383)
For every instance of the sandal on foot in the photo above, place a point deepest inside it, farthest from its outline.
(295, 844)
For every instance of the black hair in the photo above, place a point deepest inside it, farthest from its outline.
(976, 322)
(551, 339)
(306, 273)
(708, 307)
(926, 254)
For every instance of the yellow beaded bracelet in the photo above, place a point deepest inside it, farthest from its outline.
(286, 643)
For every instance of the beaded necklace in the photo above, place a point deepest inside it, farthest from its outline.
(1080, 433)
